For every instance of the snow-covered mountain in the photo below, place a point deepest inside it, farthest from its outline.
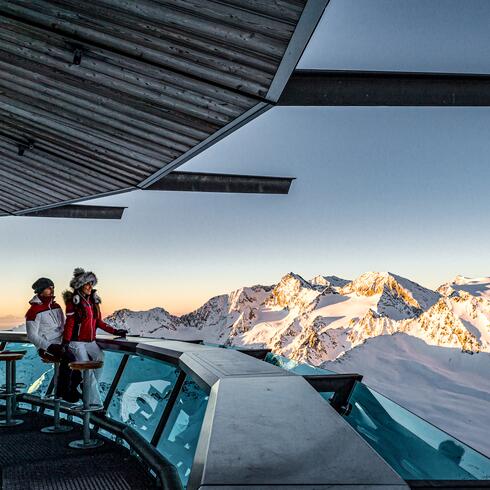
(317, 321)
(428, 350)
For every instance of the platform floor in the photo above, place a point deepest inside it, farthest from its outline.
(32, 460)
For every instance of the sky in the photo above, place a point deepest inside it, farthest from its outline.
(398, 189)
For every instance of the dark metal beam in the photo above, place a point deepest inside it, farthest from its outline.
(78, 211)
(206, 182)
(356, 88)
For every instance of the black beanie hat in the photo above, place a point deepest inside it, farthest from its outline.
(41, 284)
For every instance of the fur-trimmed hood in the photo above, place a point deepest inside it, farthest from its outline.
(74, 297)
(81, 277)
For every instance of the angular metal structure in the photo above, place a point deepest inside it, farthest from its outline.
(371, 88)
(80, 212)
(107, 96)
(208, 182)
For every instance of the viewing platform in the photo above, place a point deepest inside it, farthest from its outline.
(187, 415)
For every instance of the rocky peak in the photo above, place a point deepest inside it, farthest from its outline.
(294, 291)
(329, 281)
(371, 283)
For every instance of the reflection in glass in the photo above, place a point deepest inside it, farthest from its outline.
(112, 360)
(179, 439)
(414, 448)
(142, 393)
(294, 366)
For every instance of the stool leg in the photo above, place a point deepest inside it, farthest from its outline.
(9, 421)
(86, 428)
(56, 399)
(86, 407)
(8, 382)
(86, 442)
(15, 409)
(57, 428)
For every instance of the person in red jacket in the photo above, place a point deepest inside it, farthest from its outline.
(83, 318)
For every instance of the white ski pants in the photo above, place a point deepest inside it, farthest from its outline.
(89, 351)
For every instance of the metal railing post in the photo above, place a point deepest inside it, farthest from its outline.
(168, 408)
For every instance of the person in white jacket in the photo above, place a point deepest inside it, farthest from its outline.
(44, 326)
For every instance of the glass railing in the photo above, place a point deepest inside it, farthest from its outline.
(179, 439)
(414, 448)
(138, 400)
(142, 393)
(112, 361)
(294, 366)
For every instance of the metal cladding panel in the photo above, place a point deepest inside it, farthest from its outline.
(97, 97)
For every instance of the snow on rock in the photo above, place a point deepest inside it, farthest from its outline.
(295, 292)
(332, 281)
(479, 287)
(442, 385)
(399, 298)
(316, 321)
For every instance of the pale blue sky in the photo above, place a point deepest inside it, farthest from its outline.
(399, 189)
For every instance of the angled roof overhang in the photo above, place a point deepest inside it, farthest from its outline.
(107, 96)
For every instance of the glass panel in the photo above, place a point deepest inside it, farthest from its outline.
(179, 439)
(112, 360)
(414, 448)
(142, 393)
(294, 366)
(30, 370)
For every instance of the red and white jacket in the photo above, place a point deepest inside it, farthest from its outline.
(83, 318)
(44, 322)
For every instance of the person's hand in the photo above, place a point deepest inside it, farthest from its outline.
(56, 350)
(120, 332)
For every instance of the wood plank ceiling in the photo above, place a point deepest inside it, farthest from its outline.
(97, 97)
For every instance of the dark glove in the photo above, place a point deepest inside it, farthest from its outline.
(120, 332)
(56, 350)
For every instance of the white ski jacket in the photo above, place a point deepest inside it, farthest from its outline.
(44, 322)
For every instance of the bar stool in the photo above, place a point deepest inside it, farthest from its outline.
(17, 387)
(57, 428)
(10, 358)
(85, 367)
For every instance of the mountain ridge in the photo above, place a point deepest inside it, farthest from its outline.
(316, 321)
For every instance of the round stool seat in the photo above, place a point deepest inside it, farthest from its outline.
(10, 356)
(84, 365)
